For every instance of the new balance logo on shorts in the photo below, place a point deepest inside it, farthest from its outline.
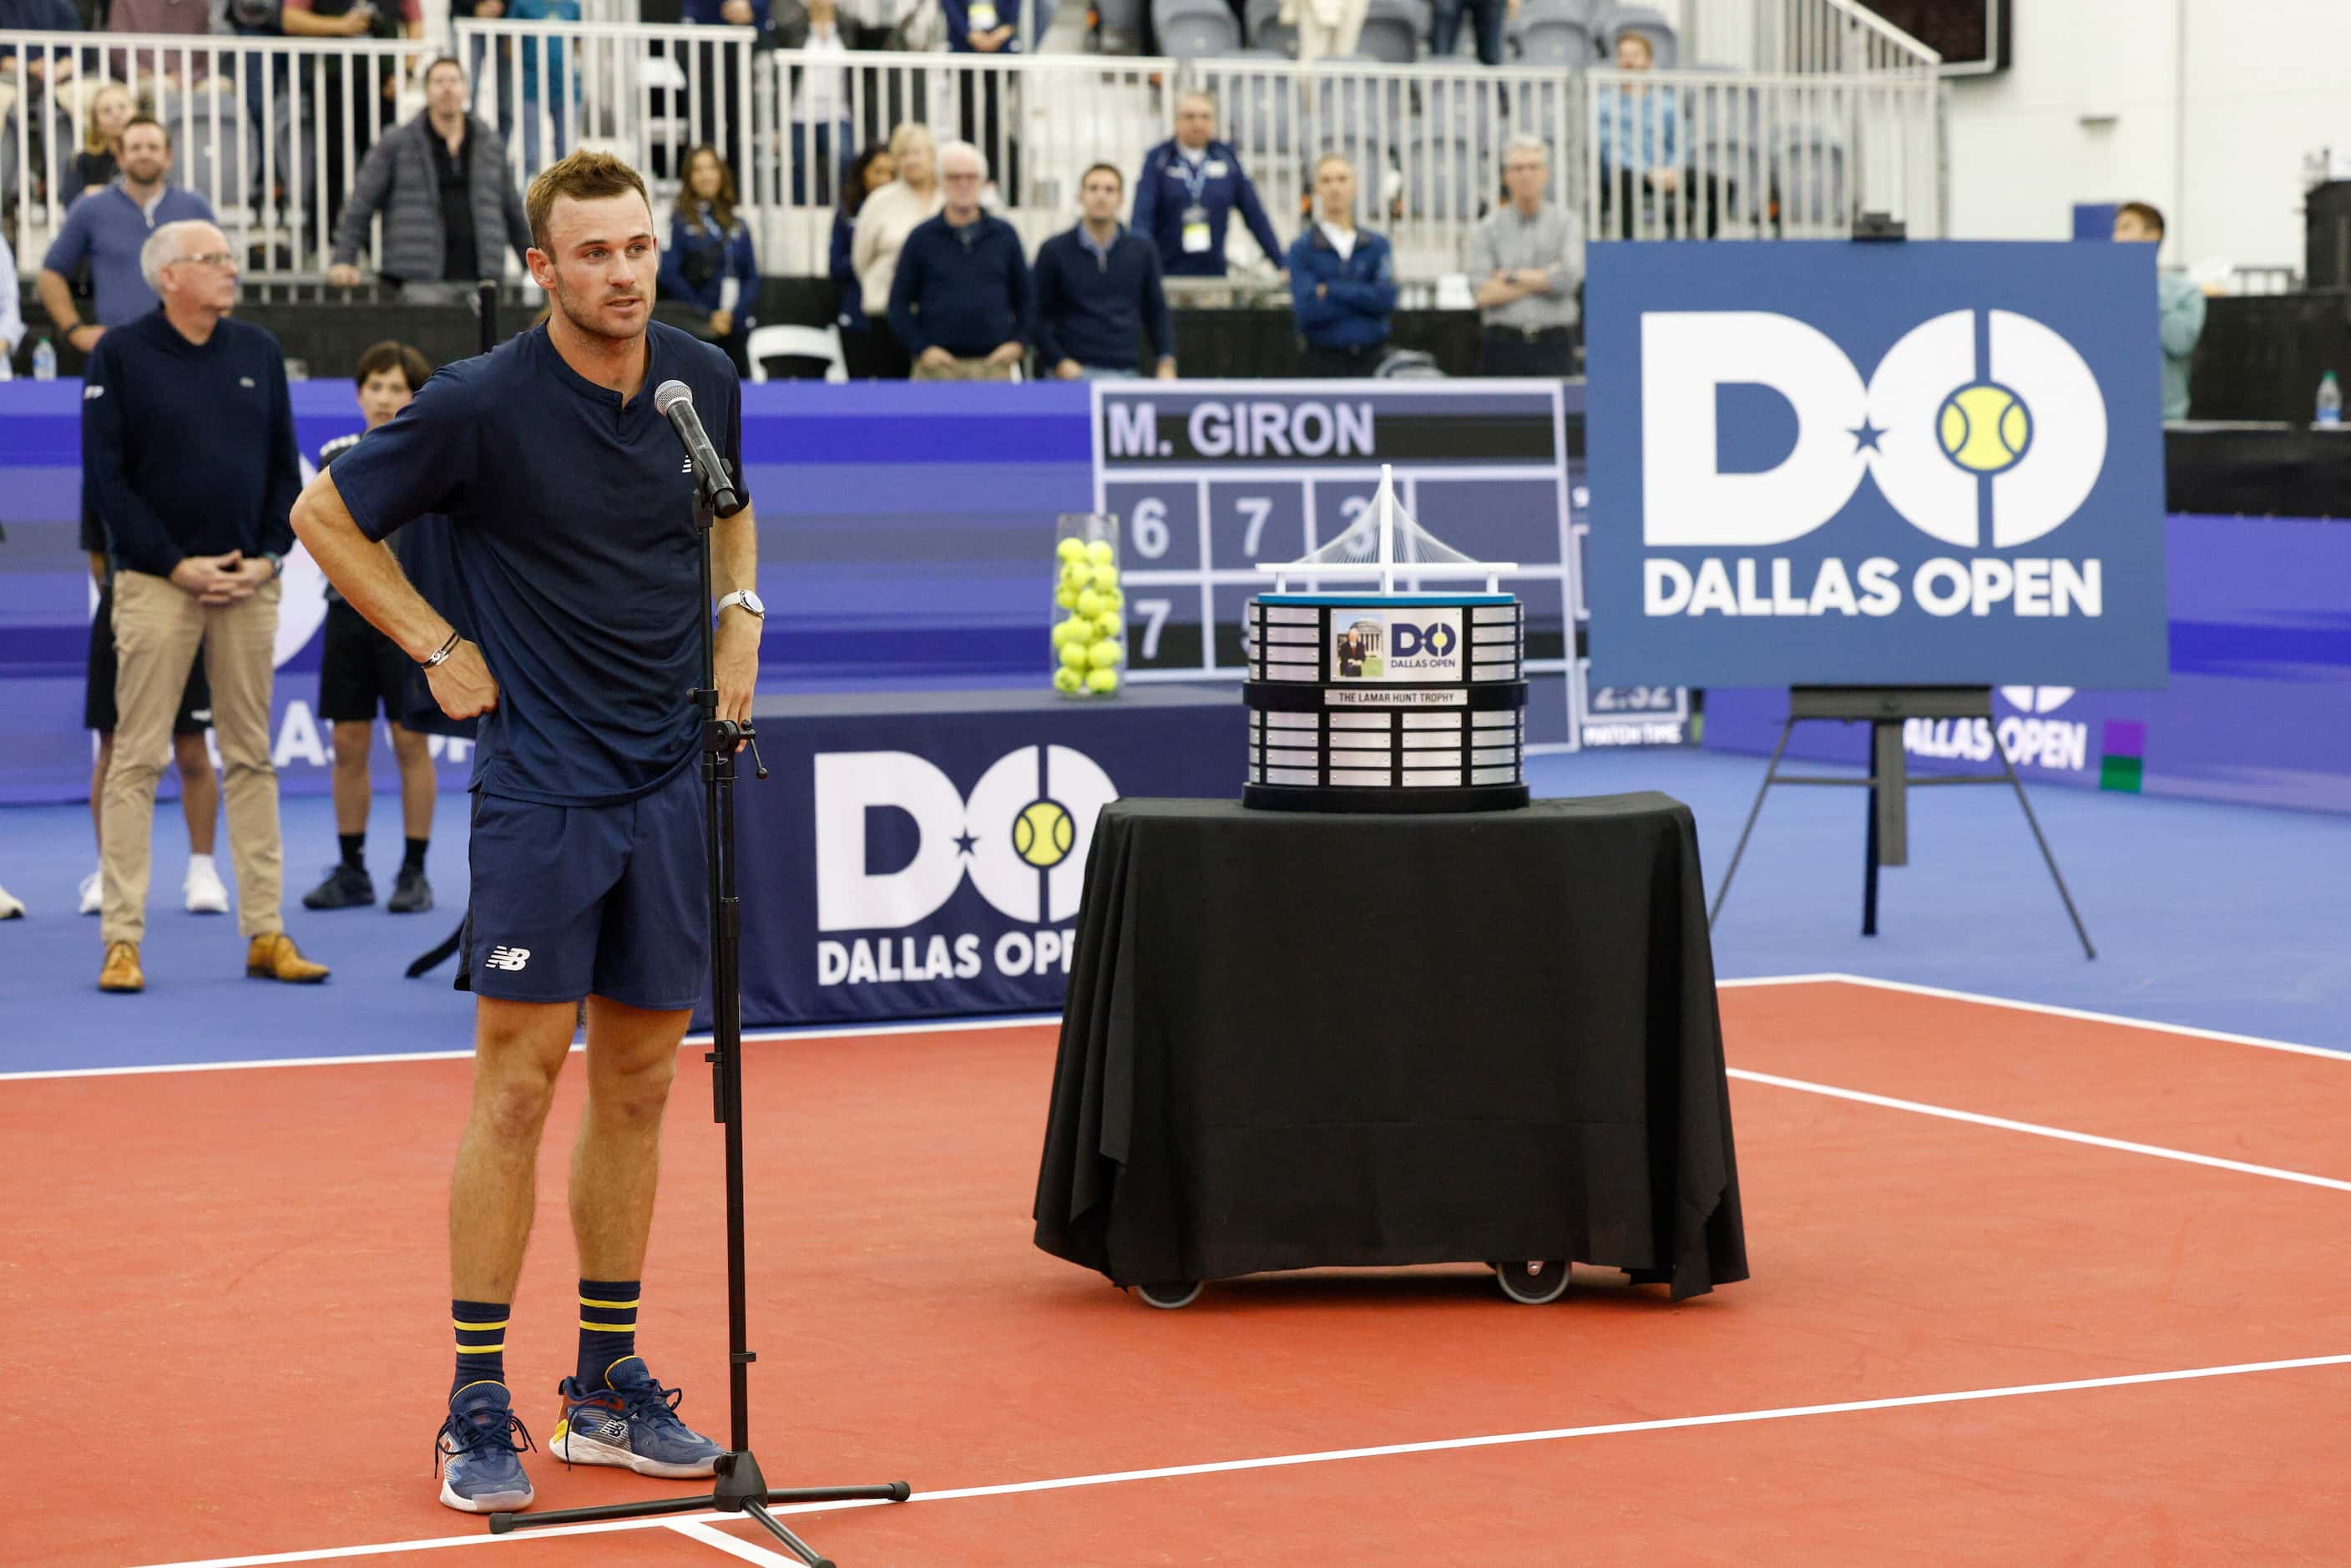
(507, 958)
(689, 466)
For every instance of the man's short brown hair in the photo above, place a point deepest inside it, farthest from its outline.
(583, 177)
(392, 355)
(1110, 169)
(2147, 215)
(143, 118)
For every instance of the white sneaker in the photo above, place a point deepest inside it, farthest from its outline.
(93, 893)
(203, 886)
(11, 908)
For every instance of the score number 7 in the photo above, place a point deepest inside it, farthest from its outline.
(1154, 614)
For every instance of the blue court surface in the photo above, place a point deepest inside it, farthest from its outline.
(2216, 917)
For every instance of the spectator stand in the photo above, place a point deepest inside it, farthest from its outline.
(1789, 116)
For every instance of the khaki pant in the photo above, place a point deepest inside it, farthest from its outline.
(962, 370)
(157, 631)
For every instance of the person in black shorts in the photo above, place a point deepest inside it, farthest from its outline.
(360, 669)
(201, 889)
(570, 512)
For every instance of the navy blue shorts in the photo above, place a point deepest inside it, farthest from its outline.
(612, 900)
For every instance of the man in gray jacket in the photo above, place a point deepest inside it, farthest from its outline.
(441, 184)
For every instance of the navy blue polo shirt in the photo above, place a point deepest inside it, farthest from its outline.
(572, 521)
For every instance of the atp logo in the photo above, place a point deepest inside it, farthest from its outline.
(1022, 836)
(510, 959)
(1981, 428)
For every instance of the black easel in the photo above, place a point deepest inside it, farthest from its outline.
(1888, 838)
(740, 1487)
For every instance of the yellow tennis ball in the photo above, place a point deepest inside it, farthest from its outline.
(1076, 575)
(1103, 655)
(1071, 550)
(1042, 834)
(1090, 602)
(1073, 654)
(1067, 681)
(1111, 625)
(1103, 681)
(1105, 577)
(1112, 598)
(1066, 599)
(1062, 630)
(1984, 428)
(1100, 553)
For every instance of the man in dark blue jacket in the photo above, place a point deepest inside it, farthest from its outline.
(1098, 289)
(961, 301)
(1187, 191)
(1342, 281)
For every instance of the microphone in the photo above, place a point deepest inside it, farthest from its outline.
(674, 401)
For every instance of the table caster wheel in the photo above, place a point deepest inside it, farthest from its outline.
(1534, 1283)
(1169, 1294)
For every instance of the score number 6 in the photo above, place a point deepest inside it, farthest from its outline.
(1151, 536)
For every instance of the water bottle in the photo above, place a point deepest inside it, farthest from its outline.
(2330, 401)
(44, 361)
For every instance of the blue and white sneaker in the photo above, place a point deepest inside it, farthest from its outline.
(481, 1466)
(632, 1423)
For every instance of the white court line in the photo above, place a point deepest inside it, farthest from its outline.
(2050, 1009)
(2061, 1133)
(842, 1031)
(1281, 1461)
(694, 1528)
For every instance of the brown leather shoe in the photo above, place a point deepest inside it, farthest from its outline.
(122, 971)
(274, 958)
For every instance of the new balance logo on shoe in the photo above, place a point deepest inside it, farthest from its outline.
(689, 466)
(507, 958)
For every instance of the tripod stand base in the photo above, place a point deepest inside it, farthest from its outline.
(740, 1489)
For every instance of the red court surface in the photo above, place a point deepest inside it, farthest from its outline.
(224, 1289)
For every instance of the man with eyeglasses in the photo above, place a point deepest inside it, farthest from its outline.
(188, 443)
(1525, 260)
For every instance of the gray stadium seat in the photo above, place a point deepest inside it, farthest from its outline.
(1393, 30)
(1443, 180)
(1618, 20)
(1189, 29)
(1555, 41)
(1809, 174)
(1267, 30)
(226, 149)
(1254, 112)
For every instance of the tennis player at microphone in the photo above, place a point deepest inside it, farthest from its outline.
(571, 507)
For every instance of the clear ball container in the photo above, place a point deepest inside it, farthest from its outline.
(1088, 655)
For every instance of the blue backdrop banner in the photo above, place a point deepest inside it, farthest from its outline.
(921, 855)
(1920, 463)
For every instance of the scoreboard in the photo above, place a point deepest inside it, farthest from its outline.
(1207, 478)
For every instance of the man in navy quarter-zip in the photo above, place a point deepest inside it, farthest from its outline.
(1190, 186)
(188, 443)
(1342, 281)
(1098, 292)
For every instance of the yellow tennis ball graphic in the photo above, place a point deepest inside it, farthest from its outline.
(1984, 428)
(1042, 834)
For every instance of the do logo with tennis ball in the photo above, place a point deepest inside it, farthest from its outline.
(1042, 834)
(1020, 836)
(1985, 428)
(1979, 427)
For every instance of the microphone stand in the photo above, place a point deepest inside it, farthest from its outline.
(740, 1487)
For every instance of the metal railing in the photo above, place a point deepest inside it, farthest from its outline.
(1799, 37)
(271, 131)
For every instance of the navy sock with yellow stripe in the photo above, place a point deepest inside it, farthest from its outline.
(608, 1327)
(481, 1343)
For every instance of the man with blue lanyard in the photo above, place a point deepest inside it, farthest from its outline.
(1186, 193)
(570, 512)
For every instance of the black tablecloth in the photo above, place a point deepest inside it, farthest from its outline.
(2257, 470)
(1298, 1041)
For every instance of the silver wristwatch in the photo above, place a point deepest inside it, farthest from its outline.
(747, 600)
